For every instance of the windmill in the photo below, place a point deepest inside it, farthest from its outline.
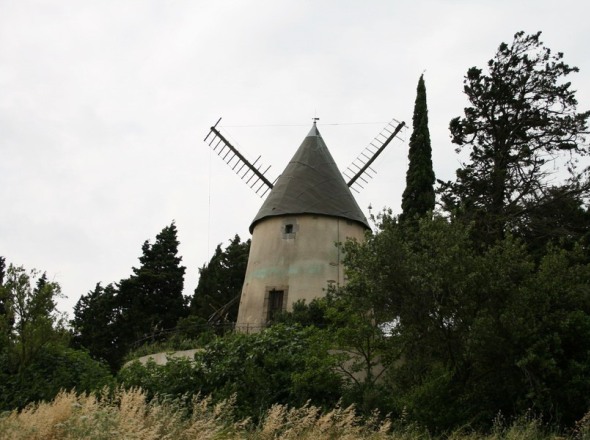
(307, 210)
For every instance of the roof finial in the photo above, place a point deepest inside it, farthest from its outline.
(315, 120)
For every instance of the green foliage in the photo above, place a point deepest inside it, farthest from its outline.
(178, 378)
(278, 365)
(475, 332)
(193, 328)
(213, 308)
(268, 367)
(559, 218)
(2, 275)
(216, 297)
(522, 117)
(166, 346)
(30, 317)
(452, 323)
(357, 342)
(550, 327)
(418, 197)
(54, 368)
(358, 338)
(109, 321)
(2, 270)
(151, 298)
(6, 319)
(520, 303)
(190, 333)
(304, 314)
(35, 363)
(96, 326)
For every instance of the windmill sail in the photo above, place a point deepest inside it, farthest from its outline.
(360, 169)
(248, 171)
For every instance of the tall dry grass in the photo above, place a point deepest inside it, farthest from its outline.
(126, 414)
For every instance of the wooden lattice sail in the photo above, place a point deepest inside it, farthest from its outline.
(248, 171)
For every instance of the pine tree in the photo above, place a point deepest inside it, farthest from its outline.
(521, 123)
(2, 269)
(151, 299)
(31, 319)
(2, 273)
(418, 197)
(6, 321)
(220, 282)
(96, 327)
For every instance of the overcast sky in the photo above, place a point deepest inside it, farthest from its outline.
(104, 106)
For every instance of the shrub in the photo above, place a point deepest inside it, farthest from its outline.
(54, 368)
(282, 364)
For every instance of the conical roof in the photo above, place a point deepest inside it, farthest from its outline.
(311, 184)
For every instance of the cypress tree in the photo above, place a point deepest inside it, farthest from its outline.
(151, 298)
(220, 282)
(418, 197)
(96, 328)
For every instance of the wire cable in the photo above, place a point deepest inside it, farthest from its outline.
(302, 125)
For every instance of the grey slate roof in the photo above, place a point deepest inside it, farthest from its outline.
(311, 184)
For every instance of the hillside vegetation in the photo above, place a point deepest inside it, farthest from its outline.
(127, 414)
(466, 316)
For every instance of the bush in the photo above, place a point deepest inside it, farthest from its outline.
(178, 377)
(54, 368)
(282, 364)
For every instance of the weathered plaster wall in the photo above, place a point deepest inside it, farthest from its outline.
(301, 262)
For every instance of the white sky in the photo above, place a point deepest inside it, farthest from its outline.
(104, 106)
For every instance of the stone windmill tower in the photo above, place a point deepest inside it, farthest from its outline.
(309, 209)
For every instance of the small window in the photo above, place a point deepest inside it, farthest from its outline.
(289, 228)
(275, 303)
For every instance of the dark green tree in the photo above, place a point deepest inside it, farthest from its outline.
(521, 120)
(474, 332)
(142, 308)
(217, 295)
(54, 368)
(560, 217)
(30, 301)
(96, 325)
(5, 320)
(35, 362)
(418, 197)
(2, 270)
(151, 300)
